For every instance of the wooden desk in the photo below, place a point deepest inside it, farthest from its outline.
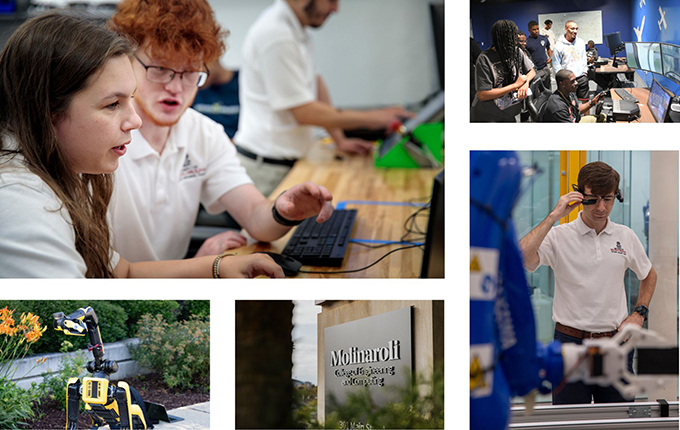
(605, 75)
(642, 94)
(610, 69)
(355, 178)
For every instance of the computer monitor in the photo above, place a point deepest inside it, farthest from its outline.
(670, 58)
(649, 57)
(437, 15)
(614, 42)
(631, 55)
(433, 257)
(659, 100)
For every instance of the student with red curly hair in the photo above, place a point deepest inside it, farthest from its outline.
(180, 158)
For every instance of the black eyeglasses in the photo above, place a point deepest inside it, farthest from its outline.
(589, 199)
(163, 75)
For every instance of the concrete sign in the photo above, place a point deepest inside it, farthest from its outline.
(373, 353)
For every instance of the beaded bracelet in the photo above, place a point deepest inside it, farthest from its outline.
(216, 264)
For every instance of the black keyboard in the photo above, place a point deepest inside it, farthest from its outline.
(625, 95)
(322, 244)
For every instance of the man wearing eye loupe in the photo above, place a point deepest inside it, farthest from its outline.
(589, 257)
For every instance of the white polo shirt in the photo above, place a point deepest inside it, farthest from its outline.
(156, 196)
(37, 239)
(278, 73)
(589, 272)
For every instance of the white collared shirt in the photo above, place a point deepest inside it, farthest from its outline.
(156, 196)
(37, 239)
(589, 272)
(278, 73)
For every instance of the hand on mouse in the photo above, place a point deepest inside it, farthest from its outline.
(249, 266)
(305, 200)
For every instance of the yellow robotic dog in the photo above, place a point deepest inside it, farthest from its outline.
(106, 402)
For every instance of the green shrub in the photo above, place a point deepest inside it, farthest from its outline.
(194, 309)
(16, 405)
(136, 308)
(179, 351)
(413, 410)
(54, 385)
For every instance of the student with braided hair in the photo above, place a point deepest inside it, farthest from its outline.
(502, 76)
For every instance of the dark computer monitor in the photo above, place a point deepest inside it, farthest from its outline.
(614, 42)
(433, 257)
(437, 15)
(670, 58)
(659, 100)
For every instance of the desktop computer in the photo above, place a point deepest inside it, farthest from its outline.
(659, 101)
(433, 257)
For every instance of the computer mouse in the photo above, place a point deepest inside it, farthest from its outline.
(289, 265)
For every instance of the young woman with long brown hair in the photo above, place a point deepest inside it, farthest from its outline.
(66, 113)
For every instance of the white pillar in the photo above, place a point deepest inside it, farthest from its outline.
(663, 252)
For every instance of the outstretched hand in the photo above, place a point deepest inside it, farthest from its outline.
(249, 266)
(305, 200)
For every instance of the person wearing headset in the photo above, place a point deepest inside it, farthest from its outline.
(589, 257)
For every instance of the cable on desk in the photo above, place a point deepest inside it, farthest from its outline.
(409, 225)
(363, 268)
(411, 228)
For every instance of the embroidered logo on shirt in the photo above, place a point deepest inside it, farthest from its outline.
(190, 170)
(618, 250)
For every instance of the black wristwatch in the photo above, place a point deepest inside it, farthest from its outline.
(642, 310)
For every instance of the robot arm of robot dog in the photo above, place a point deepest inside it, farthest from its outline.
(604, 361)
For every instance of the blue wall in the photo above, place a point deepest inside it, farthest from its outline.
(617, 15)
(654, 30)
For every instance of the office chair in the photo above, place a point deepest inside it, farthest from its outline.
(537, 101)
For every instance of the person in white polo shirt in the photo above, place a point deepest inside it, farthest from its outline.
(179, 157)
(283, 96)
(589, 257)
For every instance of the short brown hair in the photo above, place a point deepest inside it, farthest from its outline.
(173, 30)
(600, 177)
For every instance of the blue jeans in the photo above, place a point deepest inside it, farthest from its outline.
(580, 392)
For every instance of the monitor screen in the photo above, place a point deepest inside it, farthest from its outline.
(631, 56)
(670, 55)
(659, 100)
(437, 15)
(613, 42)
(433, 257)
(649, 57)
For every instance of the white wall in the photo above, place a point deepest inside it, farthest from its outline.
(371, 53)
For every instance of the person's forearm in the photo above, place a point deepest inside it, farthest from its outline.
(191, 268)
(324, 115)
(496, 92)
(261, 224)
(324, 96)
(530, 243)
(646, 290)
(530, 76)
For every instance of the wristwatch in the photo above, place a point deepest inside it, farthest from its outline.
(642, 310)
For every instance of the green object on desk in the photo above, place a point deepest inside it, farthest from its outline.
(431, 135)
